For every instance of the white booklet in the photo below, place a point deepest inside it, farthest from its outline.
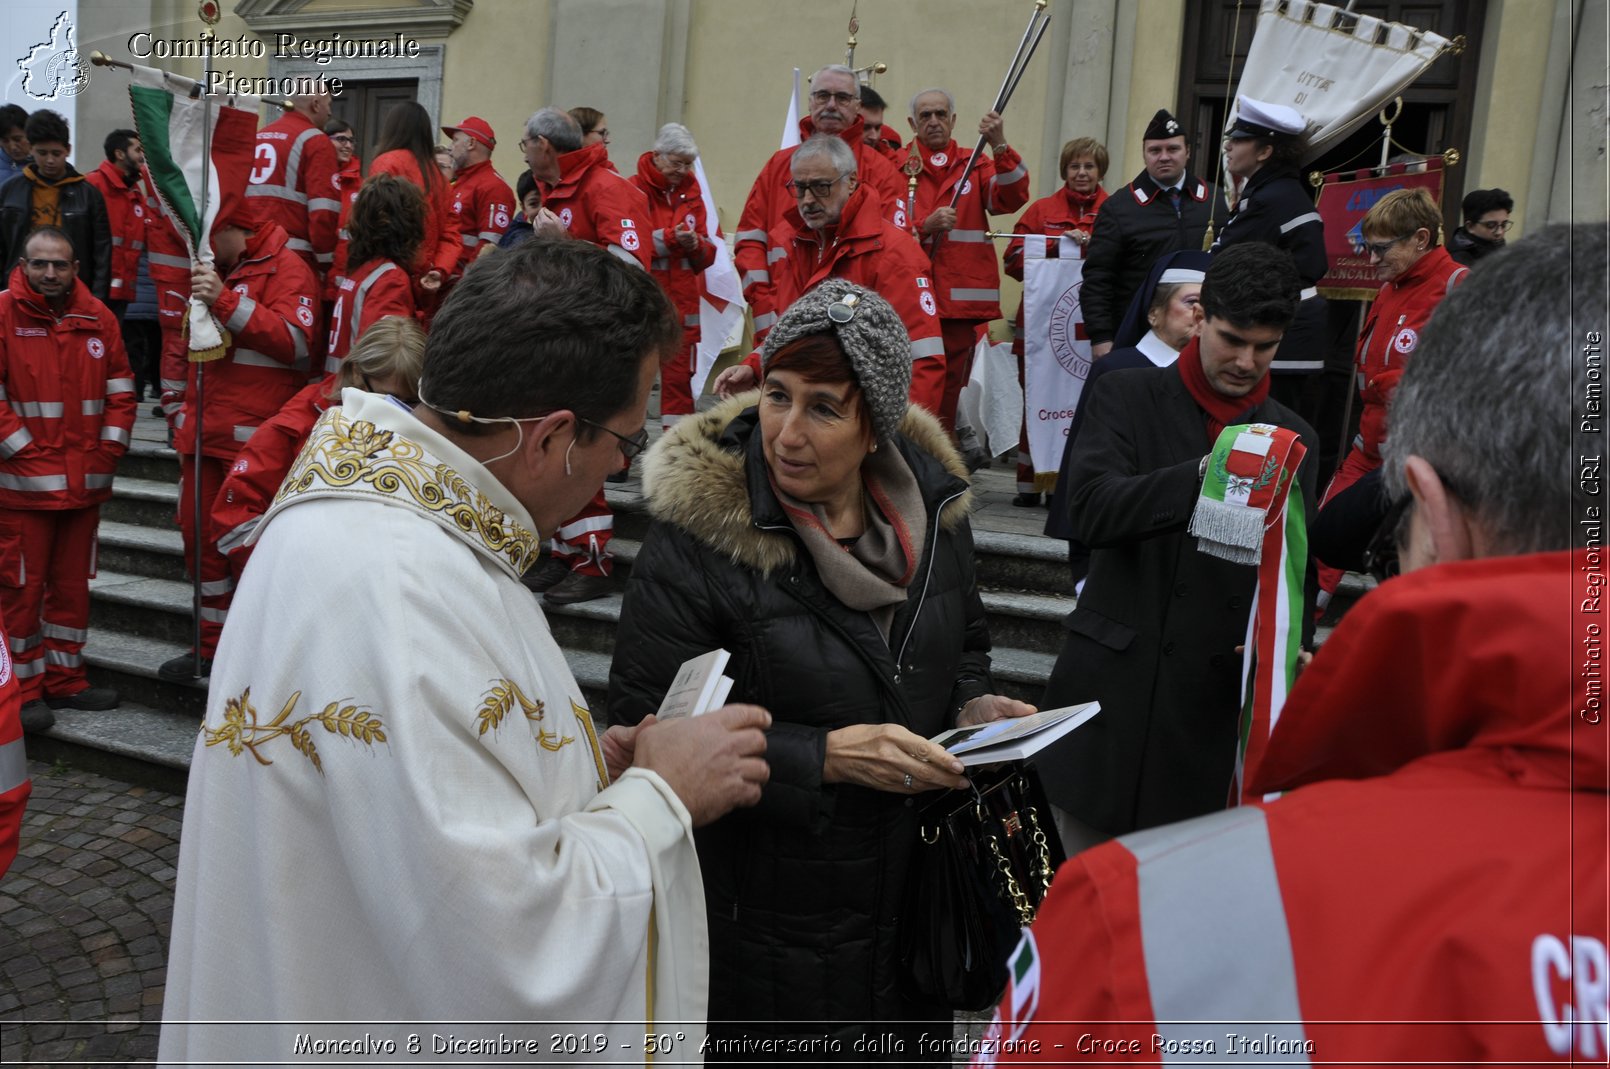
(1015, 738)
(699, 686)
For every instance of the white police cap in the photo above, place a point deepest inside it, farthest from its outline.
(1256, 118)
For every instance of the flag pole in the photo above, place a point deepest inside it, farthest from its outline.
(209, 13)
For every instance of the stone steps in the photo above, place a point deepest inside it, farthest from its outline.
(141, 603)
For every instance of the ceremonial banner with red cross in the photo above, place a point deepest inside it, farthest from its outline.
(1056, 349)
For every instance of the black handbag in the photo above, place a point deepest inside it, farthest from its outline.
(983, 862)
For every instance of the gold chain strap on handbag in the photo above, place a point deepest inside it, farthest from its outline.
(1042, 849)
(1020, 901)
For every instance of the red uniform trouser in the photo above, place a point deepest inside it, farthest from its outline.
(44, 593)
(676, 382)
(217, 585)
(1353, 467)
(583, 539)
(1025, 464)
(960, 338)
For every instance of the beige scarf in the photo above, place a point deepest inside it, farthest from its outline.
(872, 574)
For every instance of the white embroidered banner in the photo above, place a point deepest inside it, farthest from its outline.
(1056, 352)
(1302, 56)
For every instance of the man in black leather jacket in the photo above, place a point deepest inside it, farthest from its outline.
(49, 192)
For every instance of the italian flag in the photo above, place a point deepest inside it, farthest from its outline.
(199, 152)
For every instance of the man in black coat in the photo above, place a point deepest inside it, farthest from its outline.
(1155, 632)
(49, 192)
(1163, 210)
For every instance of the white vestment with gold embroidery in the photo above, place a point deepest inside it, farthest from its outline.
(397, 812)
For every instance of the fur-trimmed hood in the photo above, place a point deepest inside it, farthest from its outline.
(699, 477)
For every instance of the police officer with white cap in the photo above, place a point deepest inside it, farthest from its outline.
(1263, 148)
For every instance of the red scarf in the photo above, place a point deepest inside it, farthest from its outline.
(1221, 411)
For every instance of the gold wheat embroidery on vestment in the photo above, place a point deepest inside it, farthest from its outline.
(585, 718)
(241, 732)
(501, 698)
(357, 456)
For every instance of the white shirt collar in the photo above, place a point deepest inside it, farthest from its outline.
(1156, 350)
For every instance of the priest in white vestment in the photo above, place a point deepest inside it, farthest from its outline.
(400, 821)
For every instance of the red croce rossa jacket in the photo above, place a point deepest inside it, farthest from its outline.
(870, 251)
(1432, 888)
(373, 290)
(597, 204)
(293, 183)
(770, 200)
(269, 306)
(66, 399)
(125, 215)
(670, 209)
(483, 204)
(966, 269)
(1391, 331)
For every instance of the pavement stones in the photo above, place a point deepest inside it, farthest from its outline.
(84, 920)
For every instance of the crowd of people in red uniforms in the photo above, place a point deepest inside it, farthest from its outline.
(328, 274)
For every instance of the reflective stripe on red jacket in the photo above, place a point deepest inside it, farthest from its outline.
(872, 252)
(269, 306)
(1053, 216)
(770, 200)
(14, 783)
(669, 210)
(125, 215)
(261, 465)
(378, 288)
(483, 205)
(293, 181)
(1391, 332)
(595, 203)
(1431, 888)
(966, 270)
(348, 181)
(66, 399)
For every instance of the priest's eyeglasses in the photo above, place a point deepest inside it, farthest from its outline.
(630, 445)
(822, 96)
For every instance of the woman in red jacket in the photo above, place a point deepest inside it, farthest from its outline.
(1070, 210)
(1402, 233)
(682, 251)
(407, 148)
(386, 227)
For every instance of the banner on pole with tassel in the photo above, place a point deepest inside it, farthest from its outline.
(199, 152)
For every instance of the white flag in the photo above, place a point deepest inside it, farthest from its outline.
(791, 122)
(1056, 353)
(717, 326)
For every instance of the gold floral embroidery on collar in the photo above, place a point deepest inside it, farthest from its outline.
(356, 457)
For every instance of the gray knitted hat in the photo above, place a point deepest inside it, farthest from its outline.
(872, 336)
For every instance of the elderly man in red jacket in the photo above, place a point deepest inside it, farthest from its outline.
(266, 296)
(482, 200)
(837, 231)
(835, 103)
(1432, 885)
(66, 413)
(967, 271)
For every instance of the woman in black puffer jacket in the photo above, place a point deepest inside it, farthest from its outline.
(820, 534)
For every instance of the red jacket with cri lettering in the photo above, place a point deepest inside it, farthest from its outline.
(1432, 887)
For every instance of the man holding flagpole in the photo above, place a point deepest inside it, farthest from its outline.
(264, 294)
(1177, 474)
